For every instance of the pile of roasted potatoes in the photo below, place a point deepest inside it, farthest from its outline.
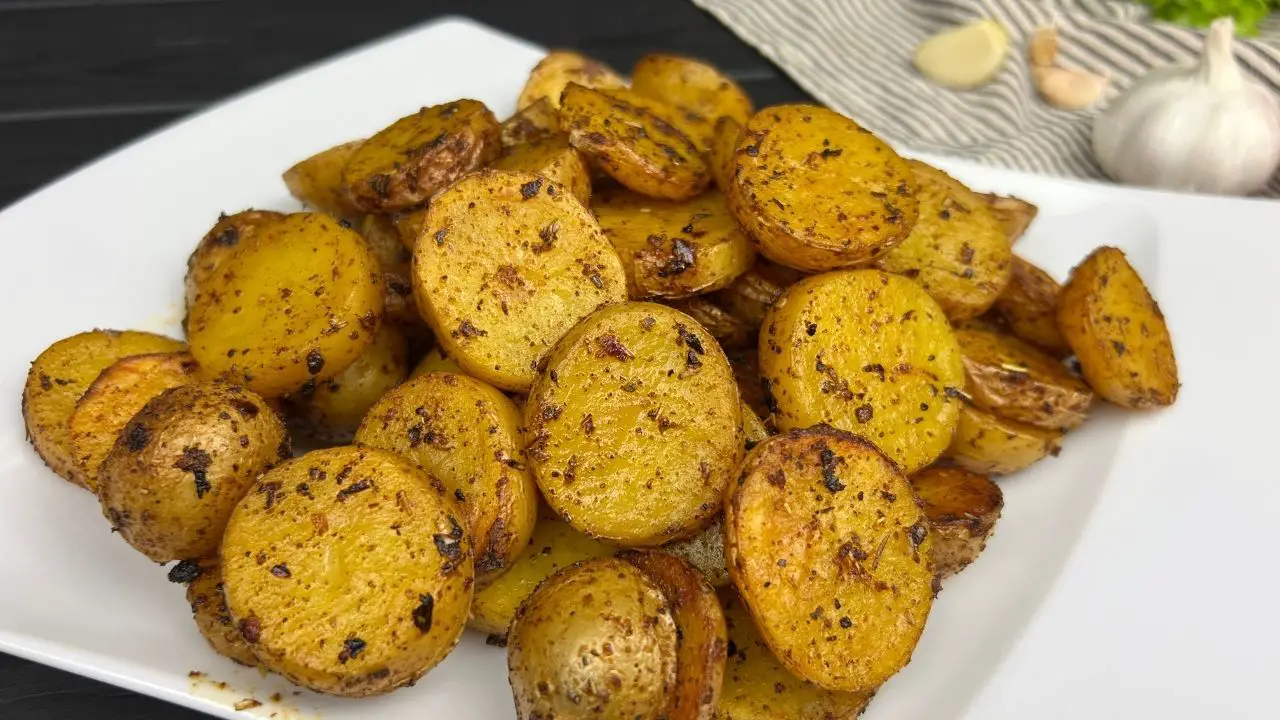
(691, 407)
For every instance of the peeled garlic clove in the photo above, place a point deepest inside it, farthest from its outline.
(1042, 49)
(1068, 89)
(963, 58)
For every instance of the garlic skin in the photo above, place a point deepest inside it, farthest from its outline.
(1203, 127)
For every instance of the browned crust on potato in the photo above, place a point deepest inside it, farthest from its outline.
(1015, 380)
(209, 610)
(987, 443)
(962, 508)
(1013, 214)
(1029, 307)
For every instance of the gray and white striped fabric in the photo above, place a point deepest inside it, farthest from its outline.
(855, 56)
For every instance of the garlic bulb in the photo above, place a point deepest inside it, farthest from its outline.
(1203, 127)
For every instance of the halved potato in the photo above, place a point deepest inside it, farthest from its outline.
(956, 250)
(828, 547)
(1029, 307)
(549, 77)
(727, 329)
(332, 411)
(406, 163)
(553, 158)
(962, 508)
(751, 295)
(508, 263)
(635, 380)
(1013, 214)
(533, 122)
(673, 249)
(1118, 333)
(693, 87)
(437, 361)
(986, 443)
(217, 245)
(409, 225)
(704, 551)
(209, 610)
(754, 429)
(114, 397)
(61, 374)
(891, 371)
(817, 191)
(1015, 380)
(317, 182)
(393, 257)
(720, 157)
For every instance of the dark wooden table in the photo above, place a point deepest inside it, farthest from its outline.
(80, 77)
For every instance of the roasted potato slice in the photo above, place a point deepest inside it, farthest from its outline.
(700, 652)
(553, 158)
(635, 380)
(114, 397)
(437, 361)
(751, 295)
(1015, 380)
(754, 429)
(332, 411)
(610, 613)
(409, 225)
(348, 571)
(393, 257)
(1013, 214)
(891, 372)
(693, 87)
(704, 551)
(673, 249)
(758, 687)
(209, 609)
(1029, 306)
(217, 245)
(986, 443)
(296, 303)
(817, 191)
(317, 182)
(182, 463)
(509, 262)
(535, 122)
(405, 164)
(639, 149)
(720, 157)
(746, 370)
(829, 549)
(728, 330)
(956, 250)
(962, 508)
(61, 374)
(559, 68)
(1117, 332)
(468, 435)
(554, 545)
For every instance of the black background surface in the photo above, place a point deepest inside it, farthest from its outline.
(80, 77)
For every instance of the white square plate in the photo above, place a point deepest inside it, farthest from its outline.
(1126, 579)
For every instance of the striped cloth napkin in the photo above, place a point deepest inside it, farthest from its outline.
(855, 56)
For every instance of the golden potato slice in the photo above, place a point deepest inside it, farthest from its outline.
(406, 163)
(962, 508)
(1014, 380)
(554, 545)
(114, 397)
(890, 372)
(217, 245)
(549, 77)
(724, 144)
(1013, 214)
(754, 429)
(332, 411)
(700, 652)
(182, 463)
(704, 551)
(727, 329)
(956, 250)
(751, 295)
(817, 191)
(698, 129)
(692, 86)
(595, 640)
(1117, 331)
(409, 225)
(1029, 306)
(986, 443)
(436, 361)
(348, 571)
(553, 158)
(535, 122)
(832, 554)
(673, 249)
(209, 609)
(508, 263)
(467, 434)
(758, 687)
(639, 149)
(61, 374)
(635, 380)
(317, 182)
(296, 303)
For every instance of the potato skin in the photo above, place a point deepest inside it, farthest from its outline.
(818, 192)
(704, 551)
(61, 374)
(296, 303)
(333, 410)
(610, 612)
(114, 397)
(553, 158)
(217, 245)
(437, 361)
(554, 545)
(720, 156)
(891, 372)
(693, 87)
(699, 620)
(1014, 214)
(1118, 333)
(509, 262)
(956, 250)
(962, 508)
(213, 619)
(758, 687)
(1015, 380)
(380, 232)
(534, 122)
(727, 329)
(1029, 307)
(348, 570)
(317, 181)
(635, 380)
(182, 463)
(986, 443)
(407, 162)
(559, 68)
(828, 547)
(750, 296)
(673, 249)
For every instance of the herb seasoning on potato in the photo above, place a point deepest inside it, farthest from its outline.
(1029, 307)
(213, 619)
(962, 508)
(694, 88)
(559, 68)
(1015, 380)
(217, 245)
